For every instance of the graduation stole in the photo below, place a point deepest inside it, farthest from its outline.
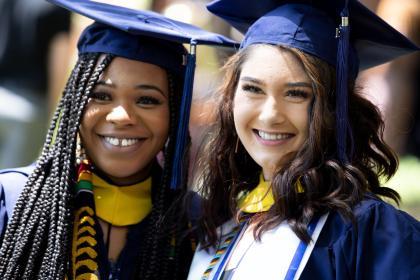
(258, 200)
(120, 206)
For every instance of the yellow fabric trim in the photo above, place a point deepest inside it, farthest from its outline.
(87, 276)
(88, 263)
(78, 229)
(261, 198)
(85, 175)
(299, 187)
(124, 205)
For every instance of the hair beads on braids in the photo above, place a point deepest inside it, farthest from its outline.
(36, 242)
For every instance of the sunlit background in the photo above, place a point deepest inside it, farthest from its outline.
(44, 37)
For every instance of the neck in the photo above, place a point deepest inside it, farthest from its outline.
(128, 180)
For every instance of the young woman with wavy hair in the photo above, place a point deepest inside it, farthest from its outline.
(100, 203)
(291, 184)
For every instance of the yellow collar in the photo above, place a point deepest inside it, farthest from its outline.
(122, 205)
(261, 198)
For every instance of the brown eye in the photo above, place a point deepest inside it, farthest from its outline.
(148, 101)
(100, 96)
(297, 93)
(251, 88)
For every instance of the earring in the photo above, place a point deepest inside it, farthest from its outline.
(237, 144)
(80, 151)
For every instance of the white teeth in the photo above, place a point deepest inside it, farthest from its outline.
(273, 136)
(121, 142)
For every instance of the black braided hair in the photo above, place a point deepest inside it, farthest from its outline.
(36, 243)
(164, 248)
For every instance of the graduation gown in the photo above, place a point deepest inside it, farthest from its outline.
(383, 244)
(12, 182)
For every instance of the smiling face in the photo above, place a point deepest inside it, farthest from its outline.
(126, 121)
(271, 106)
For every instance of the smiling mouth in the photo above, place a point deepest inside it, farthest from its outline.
(121, 142)
(272, 136)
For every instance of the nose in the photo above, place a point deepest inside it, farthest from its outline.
(271, 112)
(121, 115)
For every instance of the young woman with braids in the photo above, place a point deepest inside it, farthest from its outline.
(109, 213)
(290, 191)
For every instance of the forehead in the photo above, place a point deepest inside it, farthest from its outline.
(128, 69)
(268, 62)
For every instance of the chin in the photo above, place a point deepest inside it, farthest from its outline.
(122, 173)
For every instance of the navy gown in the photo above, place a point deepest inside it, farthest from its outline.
(385, 245)
(12, 182)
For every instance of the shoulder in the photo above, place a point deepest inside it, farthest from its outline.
(382, 242)
(375, 214)
(12, 182)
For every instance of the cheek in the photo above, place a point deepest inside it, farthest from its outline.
(239, 112)
(91, 115)
(159, 124)
(87, 123)
(305, 120)
(302, 122)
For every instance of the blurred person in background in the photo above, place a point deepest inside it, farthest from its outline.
(33, 59)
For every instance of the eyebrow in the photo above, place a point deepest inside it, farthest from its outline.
(299, 84)
(260, 82)
(140, 86)
(252, 80)
(151, 87)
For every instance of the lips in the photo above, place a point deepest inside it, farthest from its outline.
(272, 136)
(121, 141)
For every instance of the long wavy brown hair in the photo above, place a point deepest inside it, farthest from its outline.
(328, 184)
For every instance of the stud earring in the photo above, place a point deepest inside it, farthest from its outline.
(80, 151)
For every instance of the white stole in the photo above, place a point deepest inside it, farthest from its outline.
(267, 259)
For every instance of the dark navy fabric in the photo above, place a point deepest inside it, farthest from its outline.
(385, 245)
(100, 38)
(144, 23)
(3, 213)
(124, 267)
(12, 182)
(311, 25)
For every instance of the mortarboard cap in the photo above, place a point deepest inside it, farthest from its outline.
(148, 37)
(311, 26)
(101, 38)
(343, 33)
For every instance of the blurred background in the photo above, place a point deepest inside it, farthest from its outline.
(38, 51)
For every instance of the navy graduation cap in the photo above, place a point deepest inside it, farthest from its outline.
(343, 33)
(151, 38)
